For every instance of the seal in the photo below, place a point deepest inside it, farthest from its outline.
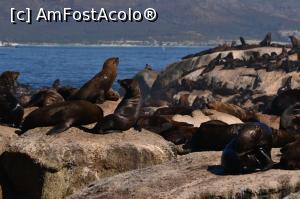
(290, 119)
(127, 112)
(63, 116)
(295, 42)
(290, 155)
(95, 89)
(284, 100)
(45, 97)
(213, 135)
(11, 112)
(249, 150)
(232, 109)
(8, 80)
(267, 40)
(65, 91)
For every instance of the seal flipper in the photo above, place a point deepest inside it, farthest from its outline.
(59, 128)
(64, 124)
(264, 160)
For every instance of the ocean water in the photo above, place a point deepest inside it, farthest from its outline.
(40, 66)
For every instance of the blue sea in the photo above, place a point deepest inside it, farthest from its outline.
(40, 66)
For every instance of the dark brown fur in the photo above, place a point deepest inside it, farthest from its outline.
(96, 88)
(63, 116)
(127, 112)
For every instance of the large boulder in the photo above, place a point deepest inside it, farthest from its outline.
(41, 166)
(177, 70)
(7, 136)
(196, 175)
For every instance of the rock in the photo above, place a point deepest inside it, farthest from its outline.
(200, 116)
(195, 175)
(40, 166)
(293, 196)
(109, 107)
(7, 136)
(146, 79)
(177, 70)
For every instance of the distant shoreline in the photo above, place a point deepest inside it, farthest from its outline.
(103, 45)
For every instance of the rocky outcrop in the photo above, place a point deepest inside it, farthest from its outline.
(293, 196)
(40, 166)
(176, 71)
(197, 175)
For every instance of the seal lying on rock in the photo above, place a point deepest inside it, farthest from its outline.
(96, 89)
(213, 135)
(11, 112)
(45, 97)
(249, 150)
(284, 100)
(63, 116)
(127, 112)
(290, 119)
(290, 155)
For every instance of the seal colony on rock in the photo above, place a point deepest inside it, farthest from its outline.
(127, 112)
(63, 116)
(96, 89)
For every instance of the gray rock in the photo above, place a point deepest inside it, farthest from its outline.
(41, 166)
(195, 175)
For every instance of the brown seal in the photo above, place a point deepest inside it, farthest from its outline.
(63, 116)
(45, 97)
(127, 112)
(11, 113)
(8, 80)
(212, 135)
(95, 89)
(290, 155)
(295, 42)
(267, 40)
(249, 150)
(232, 109)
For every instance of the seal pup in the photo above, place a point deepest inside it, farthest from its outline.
(95, 89)
(290, 155)
(249, 150)
(11, 112)
(63, 116)
(267, 40)
(127, 112)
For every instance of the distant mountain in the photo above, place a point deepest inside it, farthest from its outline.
(192, 20)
